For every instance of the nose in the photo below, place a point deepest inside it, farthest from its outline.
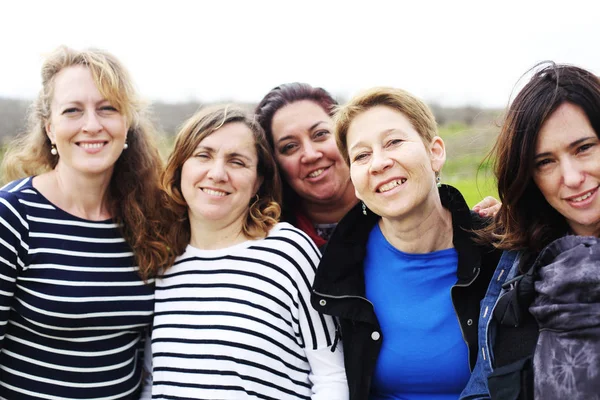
(217, 171)
(92, 123)
(572, 174)
(380, 162)
(310, 153)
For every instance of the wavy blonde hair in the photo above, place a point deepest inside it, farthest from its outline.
(134, 190)
(263, 213)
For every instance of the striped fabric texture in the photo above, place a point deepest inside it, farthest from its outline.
(237, 323)
(73, 310)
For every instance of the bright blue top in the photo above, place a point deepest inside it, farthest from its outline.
(423, 354)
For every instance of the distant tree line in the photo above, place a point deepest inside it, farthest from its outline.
(169, 116)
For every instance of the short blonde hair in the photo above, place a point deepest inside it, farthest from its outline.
(417, 112)
(263, 213)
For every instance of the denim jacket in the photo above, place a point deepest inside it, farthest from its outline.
(507, 269)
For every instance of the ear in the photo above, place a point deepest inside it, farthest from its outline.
(437, 153)
(258, 184)
(49, 132)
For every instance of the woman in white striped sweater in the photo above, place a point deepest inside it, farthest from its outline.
(233, 318)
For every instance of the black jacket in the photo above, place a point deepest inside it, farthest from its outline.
(339, 287)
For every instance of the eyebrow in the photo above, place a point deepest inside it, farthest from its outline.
(383, 133)
(234, 154)
(312, 127)
(571, 145)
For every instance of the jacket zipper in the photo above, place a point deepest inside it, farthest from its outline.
(458, 319)
(346, 296)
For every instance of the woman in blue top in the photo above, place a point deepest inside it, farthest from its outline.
(79, 236)
(402, 272)
(539, 328)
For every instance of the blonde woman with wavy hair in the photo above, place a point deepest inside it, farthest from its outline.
(81, 235)
(233, 316)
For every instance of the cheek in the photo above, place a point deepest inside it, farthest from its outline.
(288, 166)
(358, 178)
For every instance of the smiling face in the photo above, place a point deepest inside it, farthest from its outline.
(393, 171)
(89, 133)
(306, 152)
(220, 178)
(567, 168)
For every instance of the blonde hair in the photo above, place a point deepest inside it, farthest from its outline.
(134, 191)
(263, 212)
(417, 112)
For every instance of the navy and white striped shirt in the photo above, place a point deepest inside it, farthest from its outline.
(237, 323)
(73, 309)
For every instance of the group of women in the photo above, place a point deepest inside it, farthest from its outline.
(356, 275)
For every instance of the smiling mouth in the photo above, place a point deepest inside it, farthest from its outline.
(95, 145)
(213, 192)
(316, 173)
(390, 185)
(582, 197)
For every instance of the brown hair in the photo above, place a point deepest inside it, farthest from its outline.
(417, 112)
(263, 213)
(134, 186)
(526, 219)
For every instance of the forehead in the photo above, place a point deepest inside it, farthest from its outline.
(297, 117)
(565, 125)
(234, 137)
(370, 124)
(75, 83)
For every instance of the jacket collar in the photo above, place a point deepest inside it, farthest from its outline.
(340, 272)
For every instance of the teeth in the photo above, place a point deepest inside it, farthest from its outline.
(391, 185)
(91, 145)
(214, 192)
(581, 198)
(316, 173)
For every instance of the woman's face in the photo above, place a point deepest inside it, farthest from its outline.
(567, 168)
(393, 171)
(306, 152)
(88, 131)
(220, 178)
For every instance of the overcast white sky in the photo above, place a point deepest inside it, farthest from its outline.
(454, 52)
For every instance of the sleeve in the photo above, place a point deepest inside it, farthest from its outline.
(325, 357)
(476, 388)
(14, 234)
(147, 382)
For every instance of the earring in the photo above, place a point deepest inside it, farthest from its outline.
(439, 181)
(125, 146)
(364, 209)
(53, 150)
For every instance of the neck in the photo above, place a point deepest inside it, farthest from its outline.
(86, 197)
(207, 235)
(424, 231)
(332, 211)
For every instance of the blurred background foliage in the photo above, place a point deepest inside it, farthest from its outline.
(469, 133)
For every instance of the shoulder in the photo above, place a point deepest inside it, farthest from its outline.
(17, 188)
(14, 196)
(286, 234)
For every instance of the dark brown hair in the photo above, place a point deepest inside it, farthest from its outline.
(526, 220)
(275, 100)
(263, 213)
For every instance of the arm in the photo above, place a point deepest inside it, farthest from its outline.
(328, 374)
(14, 233)
(147, 373)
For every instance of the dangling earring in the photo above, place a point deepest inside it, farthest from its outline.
(439, 181)
(125, 145)
(53, 150)
(364, 209)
